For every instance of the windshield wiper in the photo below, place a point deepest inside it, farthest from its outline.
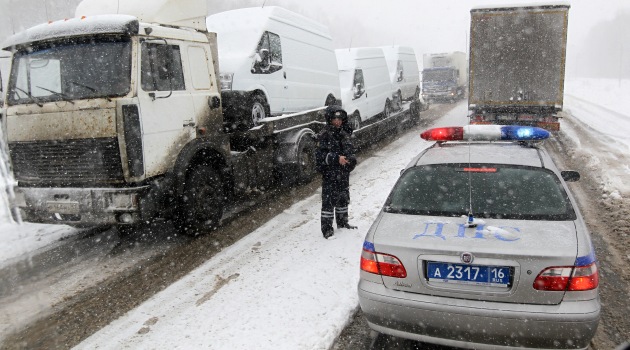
(33, 99)
(82, 85)
(60, 94)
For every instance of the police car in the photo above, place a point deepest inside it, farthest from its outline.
(479, 245)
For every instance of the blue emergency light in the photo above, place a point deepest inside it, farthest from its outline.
(486, 133)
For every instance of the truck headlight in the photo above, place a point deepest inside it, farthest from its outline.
(226, 81)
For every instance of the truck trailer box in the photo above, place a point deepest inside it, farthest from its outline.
(517, 58)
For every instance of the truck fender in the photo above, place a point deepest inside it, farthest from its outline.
(294, 158)
(287, 146)
(200, 151)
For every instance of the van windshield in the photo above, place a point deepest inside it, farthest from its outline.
(72, 70)
(496, 191)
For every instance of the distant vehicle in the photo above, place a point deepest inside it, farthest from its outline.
(444, 76)
(273, 62)
(404, 73)
(517, 65)
(366, 88)
(481, 245)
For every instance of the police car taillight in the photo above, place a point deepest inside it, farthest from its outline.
(381, 264)
(486, 133)
(569, 278)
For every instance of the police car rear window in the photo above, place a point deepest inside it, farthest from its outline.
(496, 191)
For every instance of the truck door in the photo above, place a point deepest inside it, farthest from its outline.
(167, 113)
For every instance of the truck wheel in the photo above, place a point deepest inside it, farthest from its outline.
(258, 110)
(201, 206)
(306, 159)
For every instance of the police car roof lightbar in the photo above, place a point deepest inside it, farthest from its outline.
(486, 133)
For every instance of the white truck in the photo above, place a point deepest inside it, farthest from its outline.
(444, 76)
(517, 64)
(117, 120)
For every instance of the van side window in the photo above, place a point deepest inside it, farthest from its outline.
(161, 68)
(358, 86)
(268, 57)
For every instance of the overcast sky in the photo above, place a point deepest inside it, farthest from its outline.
(598, 43)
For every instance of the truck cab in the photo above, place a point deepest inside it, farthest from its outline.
(87, 144)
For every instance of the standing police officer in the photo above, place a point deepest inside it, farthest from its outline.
(335, 160)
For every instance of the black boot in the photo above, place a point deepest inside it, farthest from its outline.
(327, 224)
(346, 225)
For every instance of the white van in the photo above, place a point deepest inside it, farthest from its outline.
(404, 73)
(366, 89)
(272, 62)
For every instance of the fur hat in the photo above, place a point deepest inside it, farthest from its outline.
(335, 111)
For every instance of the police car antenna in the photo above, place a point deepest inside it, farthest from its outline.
(470, 222)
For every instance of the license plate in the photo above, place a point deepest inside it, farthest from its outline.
(63, 207)
(498, 276)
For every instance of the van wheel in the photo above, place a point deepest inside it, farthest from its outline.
(398, 101)
(259, 110)
(330, 100)
(355, 121)
(201, 206)
(388, 109)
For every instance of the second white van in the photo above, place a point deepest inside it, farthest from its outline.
(366, 89)
(272, 62)
(404, 73)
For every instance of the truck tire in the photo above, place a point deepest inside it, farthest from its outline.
(306, 159)
(259, 110)
(201, 206)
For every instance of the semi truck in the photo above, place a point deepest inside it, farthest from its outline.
(444, 76)
(517, 65)
(116, 120)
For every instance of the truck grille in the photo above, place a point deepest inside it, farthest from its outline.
(67, 162)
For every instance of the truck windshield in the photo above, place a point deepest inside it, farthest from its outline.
(72, 70)
(437, 75)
